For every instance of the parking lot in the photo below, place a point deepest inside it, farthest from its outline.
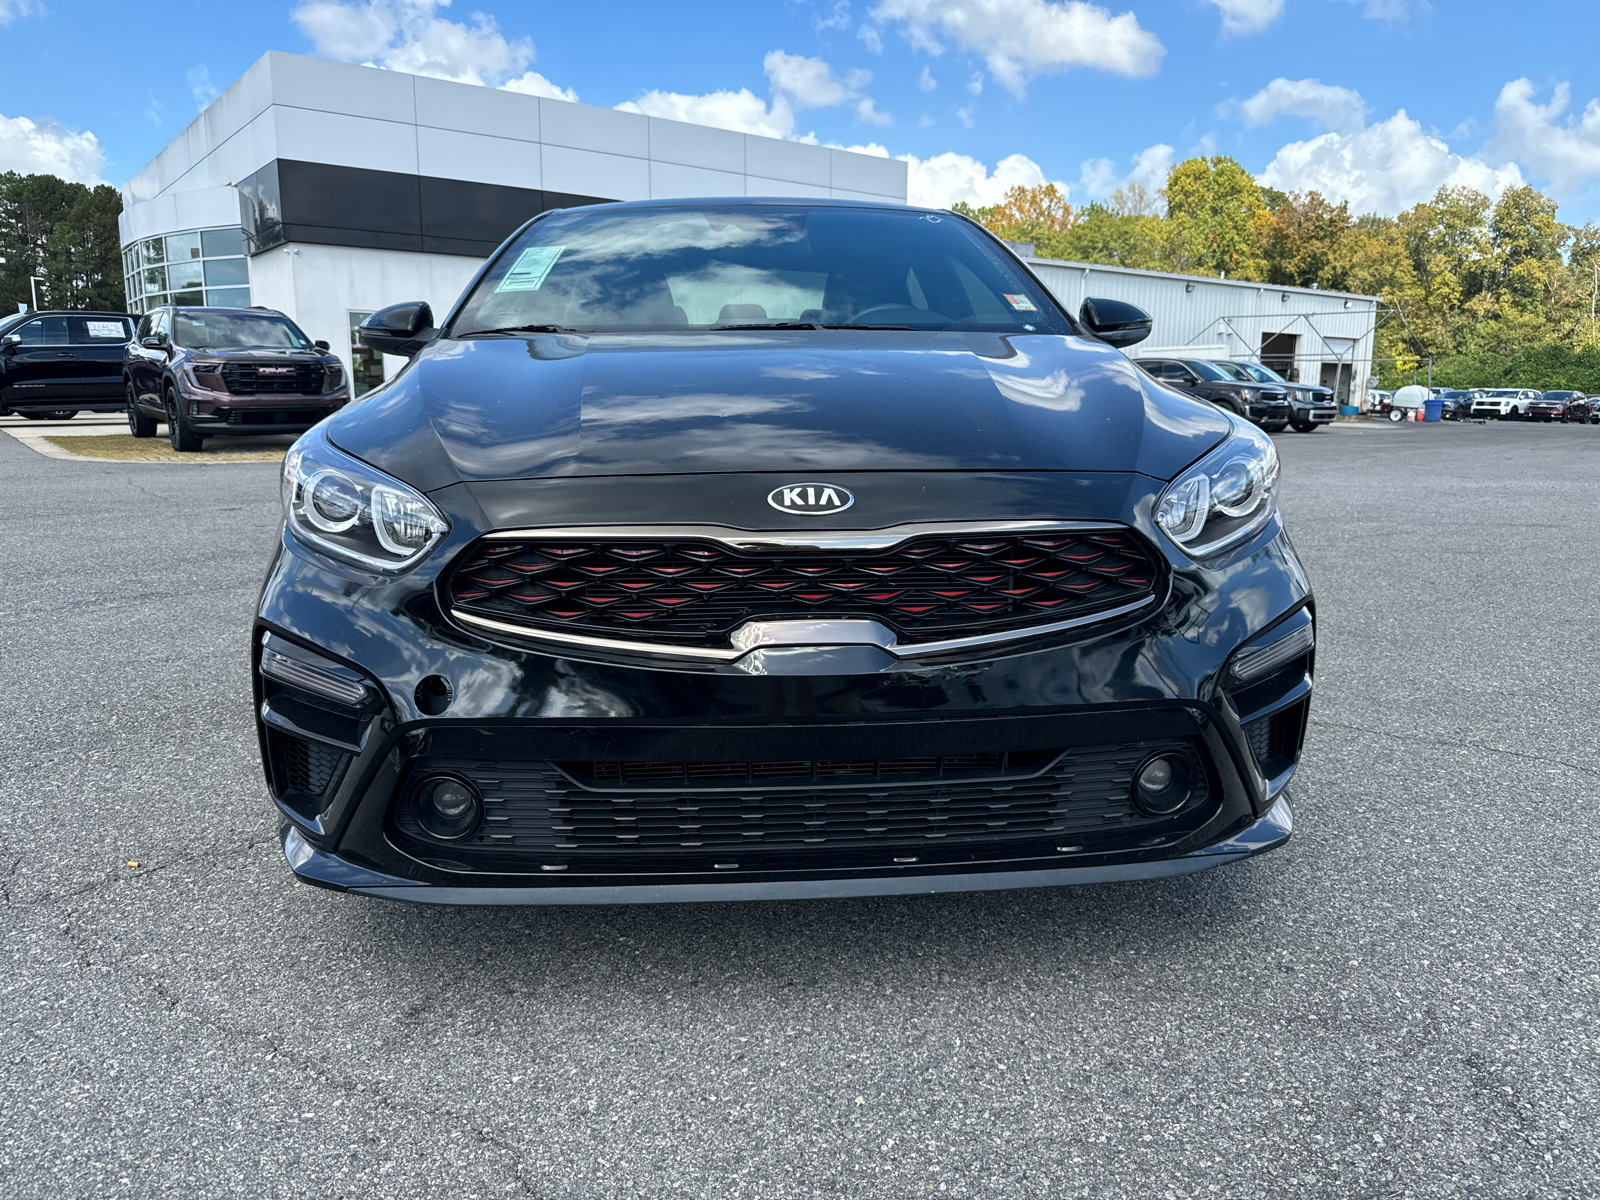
(1403, 1002)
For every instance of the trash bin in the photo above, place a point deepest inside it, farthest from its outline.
(1349, 410)
(1433, 410)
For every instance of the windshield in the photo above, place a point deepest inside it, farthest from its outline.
(1233, 369)
(710, 267)
(1209, 370)
(1262, 374)
(236, 331)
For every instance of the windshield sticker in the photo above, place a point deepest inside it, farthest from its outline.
(107, 329)
(1020, 303)
(528, 273)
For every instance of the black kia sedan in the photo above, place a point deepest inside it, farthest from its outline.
(735, 549)
(1267, 405)
(54, 365)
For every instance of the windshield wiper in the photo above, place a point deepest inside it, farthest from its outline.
(522, 329)
(905, 327)
(771, 325)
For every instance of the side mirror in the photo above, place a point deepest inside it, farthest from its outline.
(153, 342)
(320, 344)
(10, 342)
(1114, 322)
(401, 329)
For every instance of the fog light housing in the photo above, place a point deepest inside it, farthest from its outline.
(448, 808)
(1163, 784)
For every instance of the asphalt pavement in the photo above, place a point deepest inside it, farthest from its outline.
(1404, 1002)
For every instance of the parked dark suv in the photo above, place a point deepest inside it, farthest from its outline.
(1267, 406)
(54, 365)
(1311, 406)
(206, 371)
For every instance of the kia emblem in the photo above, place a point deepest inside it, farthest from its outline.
(810, 499)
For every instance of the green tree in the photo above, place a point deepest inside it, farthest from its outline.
(1217, 218)
(65, 233)
(1302, 241)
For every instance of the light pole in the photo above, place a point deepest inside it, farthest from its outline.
(33, 289)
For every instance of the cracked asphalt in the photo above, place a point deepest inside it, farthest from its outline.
(1404, 1002)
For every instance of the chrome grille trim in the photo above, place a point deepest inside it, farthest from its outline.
(911, 650)
(801, 541)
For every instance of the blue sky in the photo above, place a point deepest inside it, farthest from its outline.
(1377, 102)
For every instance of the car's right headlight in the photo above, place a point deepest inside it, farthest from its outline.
(1225, 497)
(353, 512)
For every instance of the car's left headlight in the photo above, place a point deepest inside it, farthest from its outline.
(350, 511)
(1225, 497)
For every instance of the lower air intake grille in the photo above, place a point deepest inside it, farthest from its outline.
(276, 416)
(533, 810)
(308, 767)
(695, 593)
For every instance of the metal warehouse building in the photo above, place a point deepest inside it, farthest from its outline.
(1304, 334)
(328, 191)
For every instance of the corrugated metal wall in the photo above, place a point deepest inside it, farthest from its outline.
(1195, 310)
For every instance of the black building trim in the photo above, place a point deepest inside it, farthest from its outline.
(292, 201)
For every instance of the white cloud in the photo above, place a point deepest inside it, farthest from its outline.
(1383, 168)
(48, 148)
(201, 87)
(964, 115)
(810, 82)
(926, 81)
(410, 36)
(742, 111)
(1150, 169)
(1564, 153)
(1251, 16)
(871, 39)
(1022, 38)
(531, 83)
(838, 18)
(797, 83)
(12, 9)
(1332, 107)
(1392, 12)
(975, 84)
(867, 113)
(944, 179)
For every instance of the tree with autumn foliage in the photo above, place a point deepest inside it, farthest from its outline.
(1499, 292)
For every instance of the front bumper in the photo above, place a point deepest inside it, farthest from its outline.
(323, 869)
(517, 718)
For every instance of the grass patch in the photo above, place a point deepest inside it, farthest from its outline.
(124, 447)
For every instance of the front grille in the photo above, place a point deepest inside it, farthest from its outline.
(695, 592)
(258, 379)
(277, 416)
(803, 772)
(536, 815)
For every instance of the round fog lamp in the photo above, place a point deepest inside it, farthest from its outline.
(449, 808)
(1161, 785)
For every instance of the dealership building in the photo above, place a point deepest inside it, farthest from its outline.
(328, 191)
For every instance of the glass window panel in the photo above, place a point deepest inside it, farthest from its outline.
(183, 245)
(227, 272)
(151, 251)
(182, 275)
(155, 279)
(228, 297)
(46, 331)
(366, 363)
(222, 241)
(97, 331)
(196, 298)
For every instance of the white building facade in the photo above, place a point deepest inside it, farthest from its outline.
(328, 191)
(1304, 334)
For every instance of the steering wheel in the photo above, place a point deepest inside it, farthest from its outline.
(919, 315)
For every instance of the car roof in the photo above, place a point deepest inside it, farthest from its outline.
(755, 202)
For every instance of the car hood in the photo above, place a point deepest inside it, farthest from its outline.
(548, 406)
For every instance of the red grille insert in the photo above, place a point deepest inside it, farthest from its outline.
(697, 592)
